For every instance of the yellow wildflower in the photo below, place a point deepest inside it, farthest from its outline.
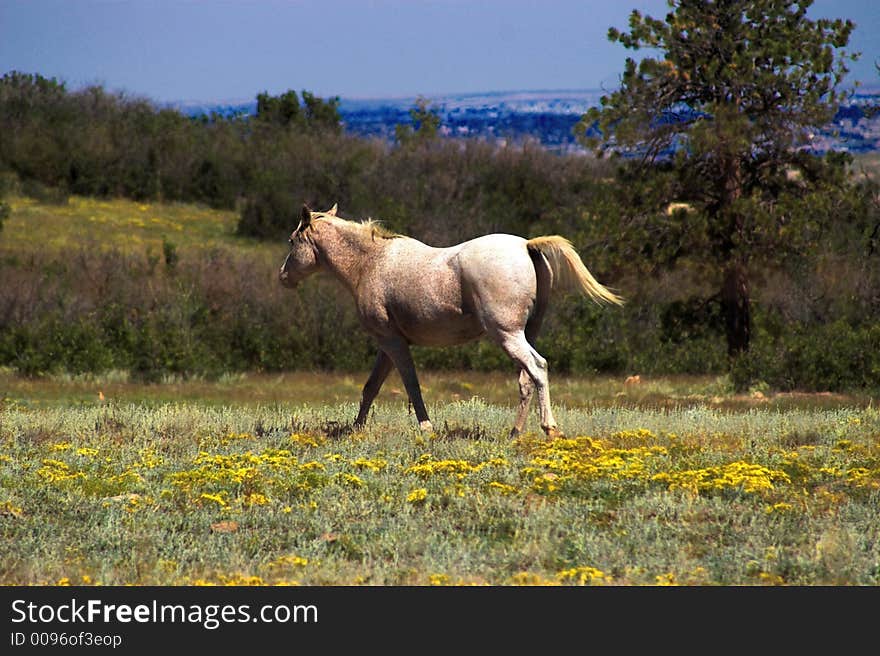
(583, 575)
(216, 498)
(503, 488)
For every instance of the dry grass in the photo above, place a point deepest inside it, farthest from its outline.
(438, 387)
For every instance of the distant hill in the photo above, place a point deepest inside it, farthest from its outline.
(545, 116)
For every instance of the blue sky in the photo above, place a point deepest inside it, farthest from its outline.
(208, 50)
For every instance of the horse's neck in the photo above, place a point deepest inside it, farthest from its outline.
(346, 251)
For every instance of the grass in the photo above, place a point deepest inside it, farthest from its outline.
(226, 484)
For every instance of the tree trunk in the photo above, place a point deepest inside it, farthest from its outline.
(735, 302)
(736, 306)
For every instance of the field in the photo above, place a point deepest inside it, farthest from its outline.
(260, 480)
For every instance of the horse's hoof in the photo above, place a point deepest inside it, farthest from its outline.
(553, 432)
(426, 427)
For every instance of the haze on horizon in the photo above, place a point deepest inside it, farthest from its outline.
(172, 50)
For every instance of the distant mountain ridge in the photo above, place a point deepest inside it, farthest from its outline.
(547, 116)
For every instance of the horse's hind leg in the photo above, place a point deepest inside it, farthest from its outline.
(544, 279)
(521, 352)
(526, 389)
(374, 383)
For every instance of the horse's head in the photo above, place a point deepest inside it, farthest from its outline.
(302, 260)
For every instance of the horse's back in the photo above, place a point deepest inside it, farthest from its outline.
(497, 258)
(488, 256)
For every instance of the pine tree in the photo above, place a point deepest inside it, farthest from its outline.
(734, 96)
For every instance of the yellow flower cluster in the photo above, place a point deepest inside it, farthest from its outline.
(233, 468)
(417, 496)
(376, 465)
(232, 436)
(149, 459)
(858, 470)
(97, 479)
(56, 471)
(739, 475)
(864, 477)
(584, 576)
(307, 440)
(9, 509)
(252, 479)
(637, 435)
(426, 467)
(348, 480)
(255, 499)
(585, 458)
(291, 560)
(530, 578)
(235, 579)
(248, 477)
(446, 580)
(502, 488)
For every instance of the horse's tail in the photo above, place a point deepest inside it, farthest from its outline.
(569, 270)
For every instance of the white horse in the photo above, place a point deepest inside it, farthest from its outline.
(407, 292)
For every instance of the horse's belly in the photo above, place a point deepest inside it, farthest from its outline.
(443, 331)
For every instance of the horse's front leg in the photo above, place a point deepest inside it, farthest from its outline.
(398, 350)
(380, 372)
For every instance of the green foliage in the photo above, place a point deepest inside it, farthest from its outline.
(425, 123)
(834, 356)
(654, 233)
(54, 345)
(169, 251)
(322, 114)
(736, 89)
(280, 110)
(733, 74)
(284, 111)
(5, 210)
(90, 142)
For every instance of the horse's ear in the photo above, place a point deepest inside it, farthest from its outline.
(332, 210)
(306, 217)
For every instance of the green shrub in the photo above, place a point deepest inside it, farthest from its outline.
(53, 345)
(831, 357)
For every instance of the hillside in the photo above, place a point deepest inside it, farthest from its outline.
(121, 224)
(547, 116)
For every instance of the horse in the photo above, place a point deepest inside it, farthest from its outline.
(409, 293)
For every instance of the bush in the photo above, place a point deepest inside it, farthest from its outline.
(833, 357)
(53, 345)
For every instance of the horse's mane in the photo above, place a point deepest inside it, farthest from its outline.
(368, 226)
